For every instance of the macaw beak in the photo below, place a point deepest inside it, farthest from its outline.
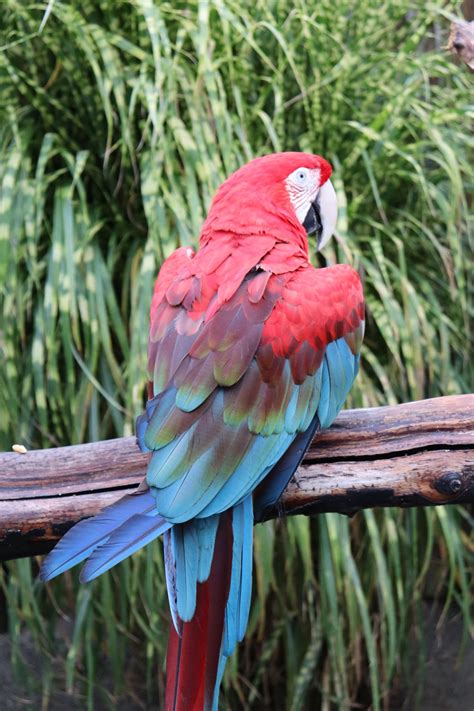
(322, 215)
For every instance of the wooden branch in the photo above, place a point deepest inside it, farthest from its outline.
(417, 454)
(461, 42)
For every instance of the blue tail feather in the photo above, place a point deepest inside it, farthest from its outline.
(247, 565)
(238, 604)
(189, 550)
(190, 558)
(240, 593)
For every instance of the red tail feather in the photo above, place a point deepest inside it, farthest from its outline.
(192, 658)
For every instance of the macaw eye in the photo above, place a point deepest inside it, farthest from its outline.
(301, 176)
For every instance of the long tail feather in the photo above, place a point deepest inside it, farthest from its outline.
(238, 604)
(81, 540)
(193, 656)
(171, 587)
(217, 612)
(240, 591)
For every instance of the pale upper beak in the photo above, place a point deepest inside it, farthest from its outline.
(322, 215)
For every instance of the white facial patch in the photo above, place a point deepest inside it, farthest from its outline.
(302, 186)
(305, 195)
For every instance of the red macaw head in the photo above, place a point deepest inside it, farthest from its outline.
(283, 194)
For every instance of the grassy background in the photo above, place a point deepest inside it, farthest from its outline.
(117, 122)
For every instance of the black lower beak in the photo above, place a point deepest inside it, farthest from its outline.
(312, 222)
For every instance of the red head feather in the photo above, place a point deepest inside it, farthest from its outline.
(254, 200)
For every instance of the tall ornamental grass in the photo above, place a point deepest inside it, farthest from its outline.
(118, 120)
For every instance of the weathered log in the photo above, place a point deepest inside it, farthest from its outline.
(416, 454)
(461, 42)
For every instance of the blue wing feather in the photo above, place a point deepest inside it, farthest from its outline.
(81, 540)
(268, 494)
(136, 532)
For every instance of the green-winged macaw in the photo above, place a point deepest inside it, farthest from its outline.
(251, 351)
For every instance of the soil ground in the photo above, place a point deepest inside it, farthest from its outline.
(447, 678)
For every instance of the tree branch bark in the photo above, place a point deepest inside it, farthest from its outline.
(416, 454)
(461, 42)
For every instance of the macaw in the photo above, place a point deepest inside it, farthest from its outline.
(251, 351)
